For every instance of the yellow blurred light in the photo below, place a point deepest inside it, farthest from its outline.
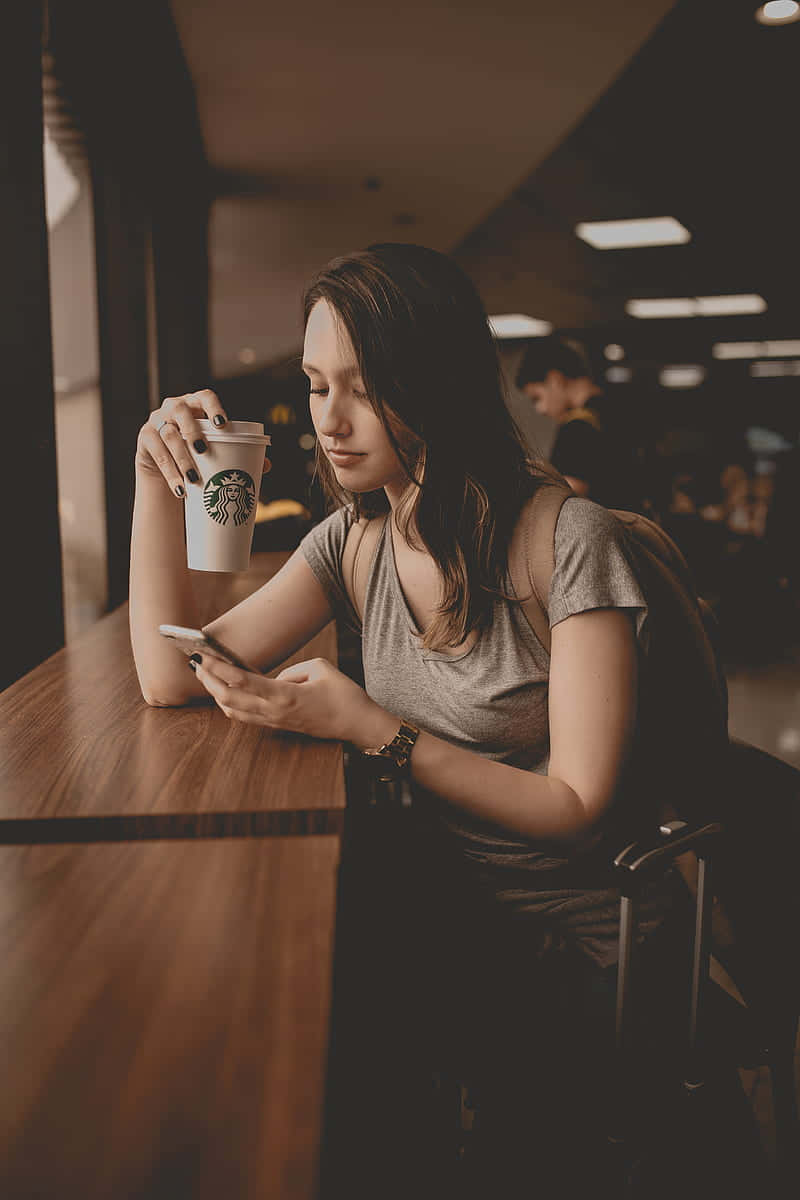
(280, 508)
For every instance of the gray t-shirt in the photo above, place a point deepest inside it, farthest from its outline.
(491, 699)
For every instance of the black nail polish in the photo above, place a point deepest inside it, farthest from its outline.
(179, 490)
(219, 420)
(200, 446)
(192, 475)
(195, 658)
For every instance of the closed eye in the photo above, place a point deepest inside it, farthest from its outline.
(322, 391)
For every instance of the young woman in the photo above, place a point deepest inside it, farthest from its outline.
(523, 761)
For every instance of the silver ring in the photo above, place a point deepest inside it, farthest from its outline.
(166, 421)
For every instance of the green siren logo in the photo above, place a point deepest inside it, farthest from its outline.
(229, 494)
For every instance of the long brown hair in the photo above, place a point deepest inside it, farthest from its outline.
(430, 368)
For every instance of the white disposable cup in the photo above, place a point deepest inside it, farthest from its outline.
(220, 510)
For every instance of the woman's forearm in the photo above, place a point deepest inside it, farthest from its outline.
(535, 806)
(163, 591)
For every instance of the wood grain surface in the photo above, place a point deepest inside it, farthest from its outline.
(164, 1018)
(78, 743)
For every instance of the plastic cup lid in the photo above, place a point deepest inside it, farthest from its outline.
(236, 429)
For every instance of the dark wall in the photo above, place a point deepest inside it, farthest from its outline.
(278, 396)
(127, 81)
(31, 613)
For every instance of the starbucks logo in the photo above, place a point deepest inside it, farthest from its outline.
(229, 494)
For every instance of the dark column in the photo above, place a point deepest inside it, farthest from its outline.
(31, 614)
(127, 80)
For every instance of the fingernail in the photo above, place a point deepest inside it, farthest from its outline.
(200, 446)
(193, 665)
(179, 490)
(195, 658)
(192, 475)
(219, 420)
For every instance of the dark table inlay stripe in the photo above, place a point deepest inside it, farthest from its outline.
(305, 822)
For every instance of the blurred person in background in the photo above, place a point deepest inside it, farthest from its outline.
(721, 512)
(592, 449)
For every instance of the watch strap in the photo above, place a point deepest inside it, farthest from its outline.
(393, 758)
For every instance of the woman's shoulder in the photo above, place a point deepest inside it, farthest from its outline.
(592, 563)
(583, 519)
(326, 539)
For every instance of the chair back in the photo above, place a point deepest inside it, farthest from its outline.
(758, 881)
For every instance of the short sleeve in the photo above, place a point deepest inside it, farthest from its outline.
(593, 566)
(322, 548)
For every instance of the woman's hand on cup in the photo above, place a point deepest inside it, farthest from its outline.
(165, 438)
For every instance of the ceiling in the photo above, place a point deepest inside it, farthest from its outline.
(332, 126)
(700, 126)
(489, 131)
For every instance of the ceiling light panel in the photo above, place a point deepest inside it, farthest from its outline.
(778, 12)
(726, 306)
(517, 325)
(771, 349)
(774, 368)
(686, 375)
(661, 308)
(696, 306)
(737, 349)
(622, 235)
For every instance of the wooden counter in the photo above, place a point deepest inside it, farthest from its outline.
(164, 1018)
(164, 1004)
(82, 757)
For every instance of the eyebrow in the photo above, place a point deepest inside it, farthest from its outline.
(347, 373)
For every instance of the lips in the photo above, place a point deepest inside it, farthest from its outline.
(342, 458)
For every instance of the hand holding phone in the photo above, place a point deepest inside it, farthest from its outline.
(195, 641)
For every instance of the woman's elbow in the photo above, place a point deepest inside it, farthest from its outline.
(156, 700)
(166, 693)
(176, 700)
(578, 816)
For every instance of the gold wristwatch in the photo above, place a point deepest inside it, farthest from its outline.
(391, 761)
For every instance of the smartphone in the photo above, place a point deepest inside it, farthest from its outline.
(194, 641)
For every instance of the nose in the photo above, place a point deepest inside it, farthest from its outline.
(330, 417)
